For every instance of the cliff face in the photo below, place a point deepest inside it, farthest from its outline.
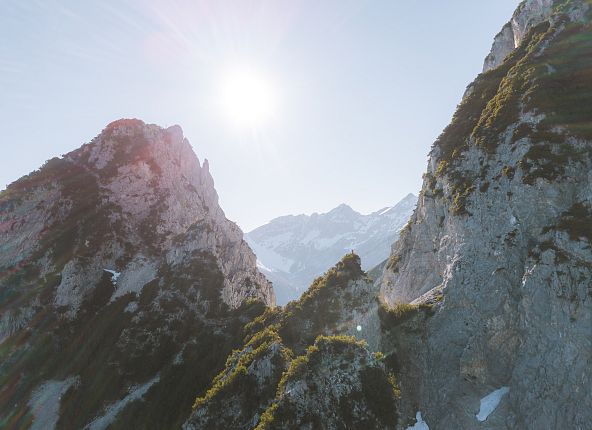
(528, 15)
(117, 264)
(501, 236)
(133, 199)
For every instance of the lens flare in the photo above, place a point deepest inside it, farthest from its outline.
(247, 97)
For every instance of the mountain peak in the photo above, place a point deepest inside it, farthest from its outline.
(125, 122)
(342, 210)
(297, 249)
(528, 15)
(118, 261)
(145, 186)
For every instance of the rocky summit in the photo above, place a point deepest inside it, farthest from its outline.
(120, 280)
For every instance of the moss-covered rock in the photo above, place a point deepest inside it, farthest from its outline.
(336, 384)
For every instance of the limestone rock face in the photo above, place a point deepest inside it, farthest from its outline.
(502, 235)
(337, 384)
(118, 263)
(245, 388)
(309, 364)
(529, 14)
(503, 45)
(150, 193)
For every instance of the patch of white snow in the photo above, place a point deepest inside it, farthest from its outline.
(270, 258)
(420, 423)
(262, 266)
(490, 402)
(114, 275)
(385, 210)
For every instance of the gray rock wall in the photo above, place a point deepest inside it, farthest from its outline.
(514, 269)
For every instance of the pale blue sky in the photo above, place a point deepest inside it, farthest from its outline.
(364, 88)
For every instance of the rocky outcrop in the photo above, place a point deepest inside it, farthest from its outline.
(165, 188)
(503, 45)
(308, 364)
(529, 14)
(245, 388)
(119, 265)
(501, 234)
(145, 189)
(337, 384)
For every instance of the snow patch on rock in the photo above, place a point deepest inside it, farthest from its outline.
(114, 275)
(420, 424)
(271, 258)
(490, 402)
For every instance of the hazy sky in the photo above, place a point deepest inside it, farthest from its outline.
(362, 88)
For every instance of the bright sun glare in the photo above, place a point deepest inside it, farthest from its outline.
(248, 98)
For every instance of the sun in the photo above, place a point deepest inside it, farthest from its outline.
(248, 98)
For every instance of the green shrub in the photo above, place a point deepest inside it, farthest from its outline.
(400, 312)
(508, 172)
(460, 196)
(393, 263)
(379, 393)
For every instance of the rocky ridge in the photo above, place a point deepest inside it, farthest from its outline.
(528, 15)
(117, 263)
(308, 365)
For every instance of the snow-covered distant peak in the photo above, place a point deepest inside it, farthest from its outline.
(342, 208)
(293, 250)
(342, 211)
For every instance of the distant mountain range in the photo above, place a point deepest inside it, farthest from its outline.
(292, 250)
